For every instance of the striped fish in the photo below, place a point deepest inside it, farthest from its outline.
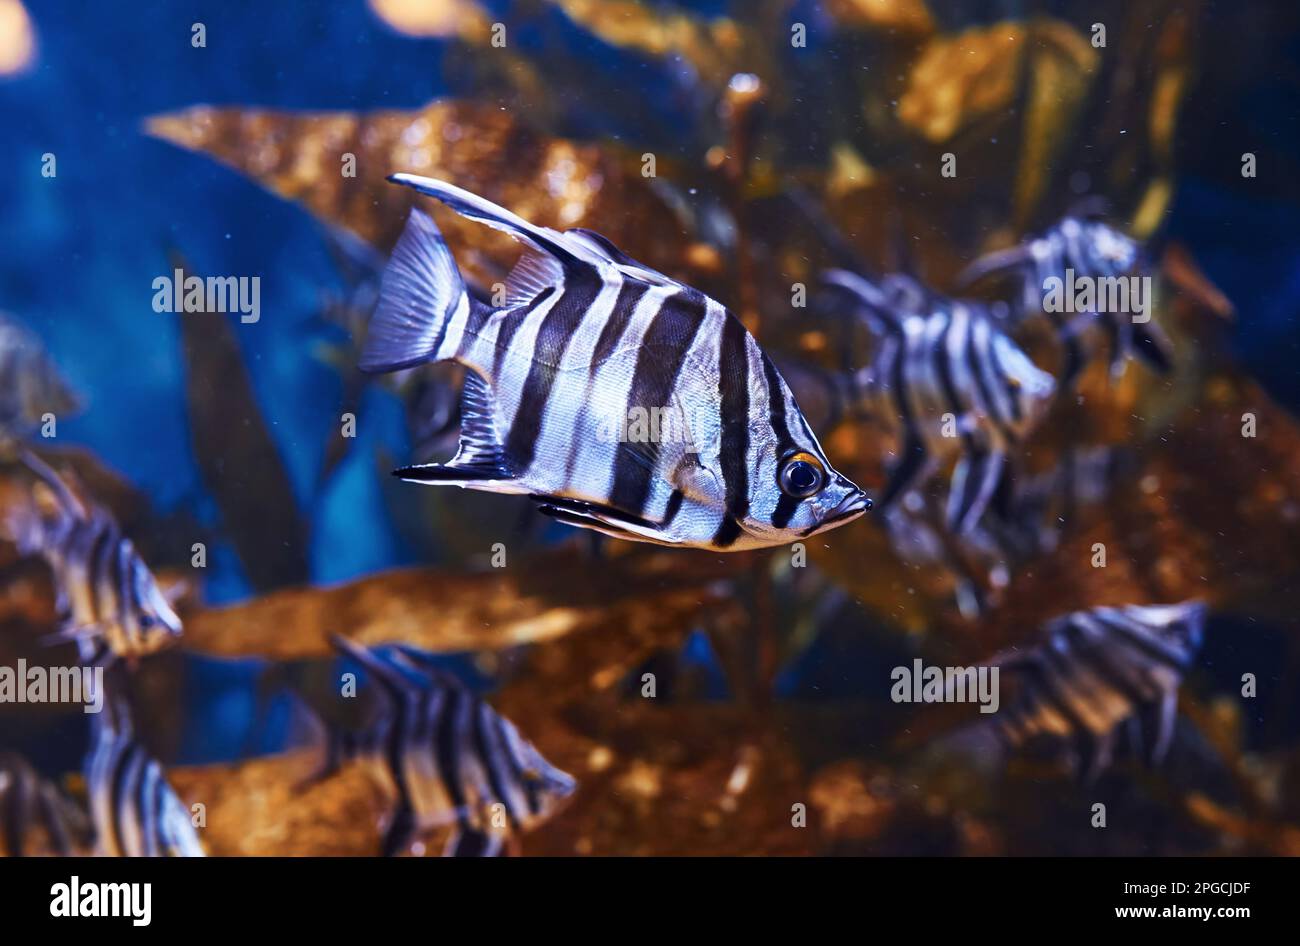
(448, 757)
(106, 593)
(586, 342)
(30, 384)
(956, 384)
(133, 809)
(1025, 520)
(1100, 676)
(1090, 249)
(29, 802)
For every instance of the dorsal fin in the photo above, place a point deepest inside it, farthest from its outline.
(532, 275)
(604, 248)
(872, 302)
(498, 218)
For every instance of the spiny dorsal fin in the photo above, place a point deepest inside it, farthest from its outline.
(484, 211)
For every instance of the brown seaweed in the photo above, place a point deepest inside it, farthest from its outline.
(237, 457)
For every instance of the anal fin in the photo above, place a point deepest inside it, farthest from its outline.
(481, 456)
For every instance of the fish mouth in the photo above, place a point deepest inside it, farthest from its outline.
(852, 506)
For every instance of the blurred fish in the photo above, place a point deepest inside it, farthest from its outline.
(1026, 518)
(133, 808)
(107, 598)
(956, 384)
(29, 802)
(1086, 249)
(587, 338)
(1100, 675)
(30, 384)
(448, 756)
(1031, 511)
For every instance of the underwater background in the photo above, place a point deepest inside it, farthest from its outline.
(776, 684)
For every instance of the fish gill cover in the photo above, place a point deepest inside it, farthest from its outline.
(672, 291)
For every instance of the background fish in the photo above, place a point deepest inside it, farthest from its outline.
(954, 382)
(1101, 675)
(585, 338)
(1092, 250)
(30, 384)
(30, 804)
(133, 808)
(448, 756)
(107, 598)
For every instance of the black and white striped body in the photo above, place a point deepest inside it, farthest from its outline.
(587, 342)
(30, 384)
(448, 758)
(106, 593)
(1086, 249)
(1025, 520)
(1101, 675)
(955, 384)
(31, 804)
(133, 809)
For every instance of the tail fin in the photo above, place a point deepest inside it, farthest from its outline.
(421, 293)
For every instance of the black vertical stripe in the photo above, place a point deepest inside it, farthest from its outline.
(733, 394)
(510, 323)
(624, 306)
(487, 759)
(668, 338)
(448, 749)
(553, 338)
(121, 789)
(787, 505)
(974, 359)
(164, 830)
(396, 746)
(939, 356)
(727, 534)
(776, 405)
(479, 313)
(674, 506)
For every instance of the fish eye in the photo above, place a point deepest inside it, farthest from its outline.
(1014, 383)
(801, 475)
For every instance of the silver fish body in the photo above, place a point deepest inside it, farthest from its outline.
(106, 594)
(133, 808)
(1102, 674)
(449, 758)
(956, 385)
(617, 398)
